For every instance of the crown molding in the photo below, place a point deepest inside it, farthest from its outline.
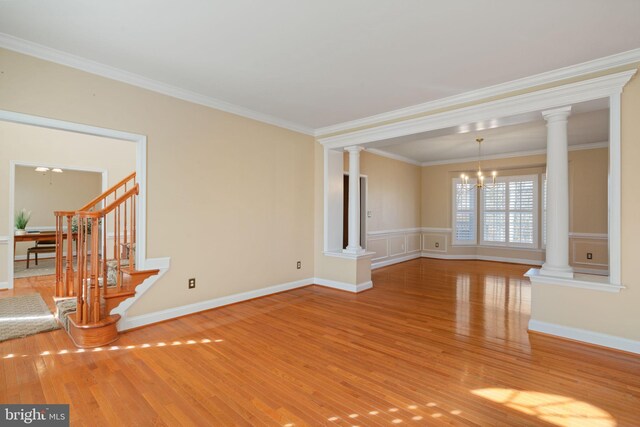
(572, 71)
(571, 93)
(53, 55)
(393, 156)
(576, 147)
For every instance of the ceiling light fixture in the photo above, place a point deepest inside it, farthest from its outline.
(56, 170)
(479, 174)
(41, 169)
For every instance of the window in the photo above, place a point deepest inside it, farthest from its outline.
(509, 212)
(464, 212)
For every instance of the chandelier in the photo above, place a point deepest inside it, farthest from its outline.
(479, 174)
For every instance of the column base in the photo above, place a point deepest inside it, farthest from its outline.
(353, 250)
(552, 271)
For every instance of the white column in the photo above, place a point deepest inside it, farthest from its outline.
(557, 260)
(354, 201)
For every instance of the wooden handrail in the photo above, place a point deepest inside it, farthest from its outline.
(90, 281)
(102, 212)
(107, 193)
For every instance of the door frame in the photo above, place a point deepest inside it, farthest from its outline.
(141, 179)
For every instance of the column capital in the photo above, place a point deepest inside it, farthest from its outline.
(557, 113)
(354, 149)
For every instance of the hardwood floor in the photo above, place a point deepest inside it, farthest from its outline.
(434, 342)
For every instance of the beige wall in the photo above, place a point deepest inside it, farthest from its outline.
(588, 171)
(229, 199)
(31, 144)
(43, 193)
(609, 313)
(393, 192)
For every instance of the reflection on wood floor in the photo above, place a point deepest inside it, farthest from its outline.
(434, 342)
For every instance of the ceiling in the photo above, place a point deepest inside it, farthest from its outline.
(585, 128)
(318, 63)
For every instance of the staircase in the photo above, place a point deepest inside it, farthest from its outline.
(104, 233)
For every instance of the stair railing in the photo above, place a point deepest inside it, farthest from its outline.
(93, 282)
(68, 228)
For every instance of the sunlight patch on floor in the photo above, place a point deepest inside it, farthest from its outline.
(114, 348)
(555, 409)
(393, 414)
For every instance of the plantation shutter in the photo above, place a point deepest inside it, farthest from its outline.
(521, 213)
(494, 212)
(464, 215)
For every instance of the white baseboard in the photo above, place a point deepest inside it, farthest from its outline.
(158, 316)
(392, 261)
(170, 313)
(482, 258)
(342, 285)
(584, 335)
(4, 285)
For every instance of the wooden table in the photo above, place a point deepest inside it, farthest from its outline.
(38, 237)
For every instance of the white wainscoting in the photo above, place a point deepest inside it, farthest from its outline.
(393, 246)
(595, 243)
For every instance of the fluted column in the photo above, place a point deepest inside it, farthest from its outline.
(354, 201)
(557, 258)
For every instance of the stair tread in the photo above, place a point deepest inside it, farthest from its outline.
(123, 292)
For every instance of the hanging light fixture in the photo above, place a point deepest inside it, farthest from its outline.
(479, 174)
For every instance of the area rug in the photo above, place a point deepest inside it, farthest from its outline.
(24, 315)
(45, 267)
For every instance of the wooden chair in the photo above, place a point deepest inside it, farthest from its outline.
(41, 247)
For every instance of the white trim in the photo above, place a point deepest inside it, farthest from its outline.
(141, 174)
(162, 264)
(605, 285)
(4, 285)
(53, 55)
(13, 164)
(170, 313)
(594, 236)
(348, 255)
(342, 285)
(436, 230)
(395, 231)
(572, 93)
(592, 271)
(395, 260)
(478, 257)
(586, 336)
(615, 190)
(4, 240)
(576, 147)
(572, 71)
(394, 156)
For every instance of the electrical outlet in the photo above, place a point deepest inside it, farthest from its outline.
(437, 244)
(299, 265)
(589, 255)
(192, 283)
(369, 214)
